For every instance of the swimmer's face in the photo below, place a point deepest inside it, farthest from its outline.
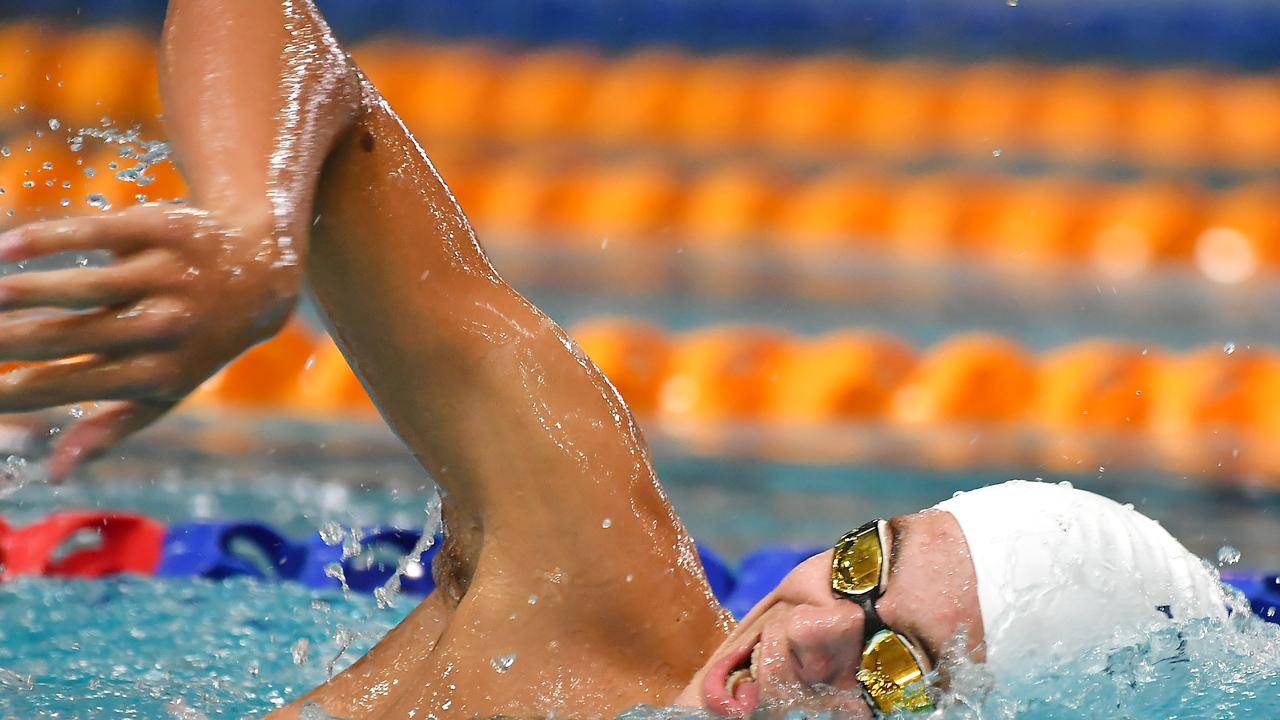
(803, 643)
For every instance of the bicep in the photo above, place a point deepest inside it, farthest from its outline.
(524, 435)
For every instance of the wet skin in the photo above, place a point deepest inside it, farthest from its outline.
(810, 638)
(299, 170)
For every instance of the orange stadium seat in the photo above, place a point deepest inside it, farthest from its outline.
(842, 377)
(543, 95)
(633, 354)
(808, 104)
(633, 99)
(723, 373)
(102, 73)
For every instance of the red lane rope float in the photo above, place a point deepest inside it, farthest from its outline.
(127, 543)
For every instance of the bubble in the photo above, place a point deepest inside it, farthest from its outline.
(606, 523)
(997, 153)
(99, 201)
(1229, 348)
(5, 151)
(533, 599)
(54, 123)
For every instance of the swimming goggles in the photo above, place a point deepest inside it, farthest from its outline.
(892, 668)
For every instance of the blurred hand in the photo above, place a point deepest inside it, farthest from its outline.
(183, 295)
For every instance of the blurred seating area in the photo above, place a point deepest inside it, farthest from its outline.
(791, 132)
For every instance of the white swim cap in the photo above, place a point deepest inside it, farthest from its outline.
(1061, 570)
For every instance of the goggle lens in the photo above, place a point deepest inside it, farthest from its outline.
(859, 558)
(891, 674)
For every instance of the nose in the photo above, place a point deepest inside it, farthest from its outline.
(826, 643)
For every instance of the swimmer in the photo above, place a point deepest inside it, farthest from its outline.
(566, 583)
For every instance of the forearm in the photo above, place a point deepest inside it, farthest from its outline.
(255, 92)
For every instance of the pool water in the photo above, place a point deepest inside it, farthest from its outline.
(143, 648)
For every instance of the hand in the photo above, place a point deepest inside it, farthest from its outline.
(183, 295)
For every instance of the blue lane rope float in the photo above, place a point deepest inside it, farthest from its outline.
(219, 549)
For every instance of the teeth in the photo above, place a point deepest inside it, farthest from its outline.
(737, 677)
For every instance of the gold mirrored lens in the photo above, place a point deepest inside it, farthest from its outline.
(892, 675)
(856, 566)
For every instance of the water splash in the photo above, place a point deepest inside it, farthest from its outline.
(144, 153)
(14, 475)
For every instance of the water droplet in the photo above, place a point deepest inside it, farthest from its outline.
(90, 172)
(300, 650)
(64, 202)
(1011, 3)
(13, 475)
(99, 201)
(28, 184)
(1229, 348)
(4, 151)
(46, 165)
(332, 533)
(54, 124)
(503, 663)
(1067, 483)
(76, 411)
(533, 599)
(997, 153)
(606, 523)
(1228, 555)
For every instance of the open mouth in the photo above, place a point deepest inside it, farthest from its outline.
(732, 687)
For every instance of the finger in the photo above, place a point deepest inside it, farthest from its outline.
(81, 288)
(83, 379)
(99, 429)
(156, 325)
(122, 233)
